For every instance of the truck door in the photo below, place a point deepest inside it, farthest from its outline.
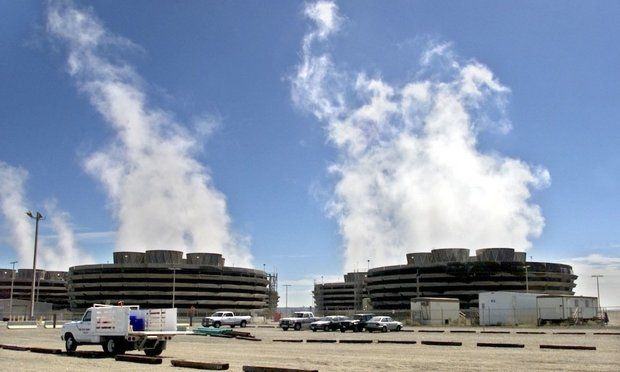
(84, 328)
(227, 318)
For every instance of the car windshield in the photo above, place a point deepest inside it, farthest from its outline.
(375, 319)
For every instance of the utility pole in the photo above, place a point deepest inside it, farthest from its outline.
(368, 265)
(12, 282)
(174, 282)
(598, 293)
(286, 303)
(37, 217)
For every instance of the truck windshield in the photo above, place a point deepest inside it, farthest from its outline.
(217, 314)
(86, 317)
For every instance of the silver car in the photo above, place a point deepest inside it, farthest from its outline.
(383, 324)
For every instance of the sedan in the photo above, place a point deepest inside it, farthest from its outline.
(329, 323)
(383, 324)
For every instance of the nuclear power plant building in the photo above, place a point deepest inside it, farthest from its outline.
(50, 286)
(452, 273)
(151, 279)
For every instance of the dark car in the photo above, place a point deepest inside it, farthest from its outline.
(329, 323)
(356, 324)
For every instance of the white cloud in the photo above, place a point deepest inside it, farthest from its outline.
(596, 264)
(58, 253)
(410, 175)
(163, 198)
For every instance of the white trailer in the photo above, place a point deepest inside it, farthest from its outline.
(122, 328)
(507, 308)
(558, 309)
(435, 311)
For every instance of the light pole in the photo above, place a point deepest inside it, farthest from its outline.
(598, 293)
(12, 282)
(38, 286)
(174, 282)
(286, 303)
(37, 217)
(527, 283)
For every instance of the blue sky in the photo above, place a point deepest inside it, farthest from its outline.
(228, 68)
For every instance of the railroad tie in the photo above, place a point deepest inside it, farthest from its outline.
(199, 365)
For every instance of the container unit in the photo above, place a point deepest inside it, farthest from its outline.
(435, 311)
(566, 308)
(507, 308)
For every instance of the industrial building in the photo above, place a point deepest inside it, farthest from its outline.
(452, 272)
(50, 286)
(339, 296)
(449, 273)
(151, 279)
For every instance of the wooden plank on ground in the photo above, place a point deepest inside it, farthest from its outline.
(499, 344)
(275, 369)
(199, 365)
(431, 330)
(355, 341)
(442, 343)
(248, 338)
(138, 359)
(15, 347)
(285, 340)
(42, 350)
(531, 332)
(502, 332)
(462, 331)
(321, 341)
(410, 342)
(568, 347)
(88, 354)
(569, 333)
(607, 333)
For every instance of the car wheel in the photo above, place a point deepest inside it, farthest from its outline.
(369, 330)
(285, 328)
(384, 329)
(70, 343)
(243, 324)
(156, 350)
(398, 328)
(343, 330)
(313, 329)
(297, 326)
(325, 328)
(113, 346)
(217, 324)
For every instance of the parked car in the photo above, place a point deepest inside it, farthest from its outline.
(356, 324)
(298, 320)
(228, 318)
(383, 324)
(329, 323)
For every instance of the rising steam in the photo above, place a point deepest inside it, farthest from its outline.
(410, 174)
(162, 196)
(57, 252)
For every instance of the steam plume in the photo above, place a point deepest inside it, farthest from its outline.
(410, 174)
(162, 196)
(56, 253)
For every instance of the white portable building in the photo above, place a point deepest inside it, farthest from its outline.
(507, 308)
(561, 308)
(435, 311)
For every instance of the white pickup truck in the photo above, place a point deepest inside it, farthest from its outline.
(228, 318)
(297, 321)
(122, 328)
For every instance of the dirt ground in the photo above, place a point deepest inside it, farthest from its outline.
(342, 357)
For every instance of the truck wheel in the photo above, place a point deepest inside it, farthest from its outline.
(70, 343)
(158, 349)
(285, 328)
(232, 326)
(217, 324)
(243, 324)
(113, 346)
(343, 330)
(297, 326)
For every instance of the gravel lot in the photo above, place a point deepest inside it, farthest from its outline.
(342, 357)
